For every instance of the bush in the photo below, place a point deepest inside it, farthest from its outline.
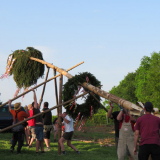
(53, 118)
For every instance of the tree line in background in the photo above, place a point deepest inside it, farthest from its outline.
(142, 85)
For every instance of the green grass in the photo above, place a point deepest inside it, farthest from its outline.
(90, 151)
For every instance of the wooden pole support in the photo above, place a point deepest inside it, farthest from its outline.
(7, 128)
(44, 86)
(39, 85)
(56, 93)
(124, 103)
(60, 111)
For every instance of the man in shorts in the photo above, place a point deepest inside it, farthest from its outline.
(68, 123)
(47, 121)
(38, 124)
(31, 125)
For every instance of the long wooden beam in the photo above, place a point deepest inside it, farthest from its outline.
(44, 86)
(40, 84)
(60, 112)
(7, 128)
(124, 103)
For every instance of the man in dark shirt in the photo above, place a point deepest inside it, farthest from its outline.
(116, 122)
(38, 124)
(47, 121)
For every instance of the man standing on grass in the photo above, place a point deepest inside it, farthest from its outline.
(113, 115)
(148, 127)
(126, 134)
(68, 122)
(31, 125)
(47, 121)
(18, 136)
(38, 125)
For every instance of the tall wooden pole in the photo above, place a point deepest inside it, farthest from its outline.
(44, 86)
(124, 103)
(39, 85)
(56, 93)
(60, 111)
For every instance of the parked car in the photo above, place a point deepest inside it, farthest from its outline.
(6, 118)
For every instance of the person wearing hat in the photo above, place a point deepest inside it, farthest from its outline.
(18, 136)
(147, 126)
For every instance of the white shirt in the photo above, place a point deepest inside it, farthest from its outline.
(69, 126)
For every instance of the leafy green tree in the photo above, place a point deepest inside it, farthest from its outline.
(141, 91)
(126, 88)
(152, 92)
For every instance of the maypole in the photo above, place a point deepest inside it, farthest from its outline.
(124, 103)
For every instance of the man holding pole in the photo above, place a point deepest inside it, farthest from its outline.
(113, 115)
(68, 122)
(148, 127)
(38, 124)
(126, 134)
(47, 121)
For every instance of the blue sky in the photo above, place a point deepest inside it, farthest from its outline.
(110, 37)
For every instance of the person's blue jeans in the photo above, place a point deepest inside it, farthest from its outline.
(39, 132)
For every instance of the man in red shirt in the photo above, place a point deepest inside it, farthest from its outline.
(18, 136)
(31, 125)
(148, 127)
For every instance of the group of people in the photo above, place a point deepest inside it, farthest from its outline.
(146, 128)
(39, 127)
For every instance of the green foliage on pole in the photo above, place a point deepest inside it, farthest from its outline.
(25, 71)
(70, 88)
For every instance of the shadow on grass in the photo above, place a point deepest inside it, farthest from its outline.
(89, 151)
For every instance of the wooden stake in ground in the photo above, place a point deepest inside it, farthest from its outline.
(56, 93)
(60, 112)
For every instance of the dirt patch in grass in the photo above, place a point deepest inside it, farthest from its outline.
(102, 134)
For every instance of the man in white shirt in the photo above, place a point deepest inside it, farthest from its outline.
(68, 122)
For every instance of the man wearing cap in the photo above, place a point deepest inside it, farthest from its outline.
(148, 127)
(18, 136)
